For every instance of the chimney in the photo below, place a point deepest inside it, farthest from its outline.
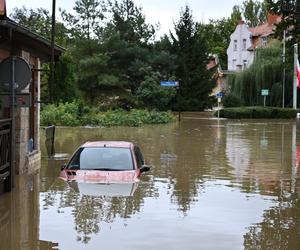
(272, 19)
(2, 9)
(241, 22)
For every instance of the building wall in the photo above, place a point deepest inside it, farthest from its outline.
(26, 162)
(239, 57)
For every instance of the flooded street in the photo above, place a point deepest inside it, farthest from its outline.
(213, 185)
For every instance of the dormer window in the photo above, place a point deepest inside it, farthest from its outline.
(235, 45)
(264, 41)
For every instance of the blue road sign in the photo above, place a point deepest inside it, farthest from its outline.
(219, 95)
(169, 84)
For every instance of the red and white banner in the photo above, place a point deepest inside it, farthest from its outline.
(298, 74)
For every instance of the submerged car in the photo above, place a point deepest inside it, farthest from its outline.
(106, 162)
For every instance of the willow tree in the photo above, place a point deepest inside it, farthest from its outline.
(264, 73)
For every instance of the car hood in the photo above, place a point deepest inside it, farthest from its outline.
(98, 176)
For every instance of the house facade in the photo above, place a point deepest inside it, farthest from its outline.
(16, 40)
(244, 41)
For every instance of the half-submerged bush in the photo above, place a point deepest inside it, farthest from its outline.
(258, 112)
(75, 114)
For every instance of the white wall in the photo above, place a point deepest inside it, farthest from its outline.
(237, 57)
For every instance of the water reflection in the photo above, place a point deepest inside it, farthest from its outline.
(213, 185)
(279, 228)
(19, 217)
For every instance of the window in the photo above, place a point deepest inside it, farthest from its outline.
(102, 159)
(233, 64)
(235, 45)
(264, 41)
(244, 44)
(245, 64)
(139, 157)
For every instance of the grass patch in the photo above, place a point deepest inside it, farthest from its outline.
(77, 114)
(258, 113)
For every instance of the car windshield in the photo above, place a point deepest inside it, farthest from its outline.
(101, 158)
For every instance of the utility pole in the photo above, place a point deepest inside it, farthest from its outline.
(295, 76)
(283, 61)
(51, 83)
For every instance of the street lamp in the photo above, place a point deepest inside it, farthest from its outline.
(286, 7)
(51, 84)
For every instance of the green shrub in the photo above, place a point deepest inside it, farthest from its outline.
(75, 114)
(231, 100)
(258, 113)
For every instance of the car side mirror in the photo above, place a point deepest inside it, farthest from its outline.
(145, 168)
(63, 166)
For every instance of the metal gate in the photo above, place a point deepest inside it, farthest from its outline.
(5, 156)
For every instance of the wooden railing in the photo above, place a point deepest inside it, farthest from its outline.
(5, 153)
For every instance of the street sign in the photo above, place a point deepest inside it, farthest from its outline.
(21, 100)
(21, 71)
(264, 92)
(169, 84)
(219, 95)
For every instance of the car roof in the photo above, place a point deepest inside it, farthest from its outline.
(109, 144)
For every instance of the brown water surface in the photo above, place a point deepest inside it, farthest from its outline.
(213, 185)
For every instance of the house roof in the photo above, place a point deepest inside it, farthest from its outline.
(23, 36)
(26, 32)
(267, 28)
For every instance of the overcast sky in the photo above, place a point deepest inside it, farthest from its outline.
(156, 11)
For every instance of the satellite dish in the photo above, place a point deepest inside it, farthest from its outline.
(22, 74)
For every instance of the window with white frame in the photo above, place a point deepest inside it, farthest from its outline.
(244, 64)
(235, 45)
(244, 44)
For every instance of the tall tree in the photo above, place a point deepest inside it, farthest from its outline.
(192, 54)
(86, 23)
(290, 11)
(254, 12)
(130, 22)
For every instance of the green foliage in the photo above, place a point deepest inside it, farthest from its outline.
(39, 21)
(86, 22)
(231, 100)
(255, 12)
(65, 87)
(150, 94)
(191, 52)
(76, 114)
(129, 21)
(289, 10)
(258, 113)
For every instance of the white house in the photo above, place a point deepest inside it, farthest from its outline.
(239, 53)
(244, 41)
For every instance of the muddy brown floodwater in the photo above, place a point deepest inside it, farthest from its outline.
(213, 185)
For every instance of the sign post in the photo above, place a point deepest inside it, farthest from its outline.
(173, 84)
(265, 93)
(219, 96)
(295, 77)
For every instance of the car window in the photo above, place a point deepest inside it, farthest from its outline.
(139, 157)
(102, 158)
